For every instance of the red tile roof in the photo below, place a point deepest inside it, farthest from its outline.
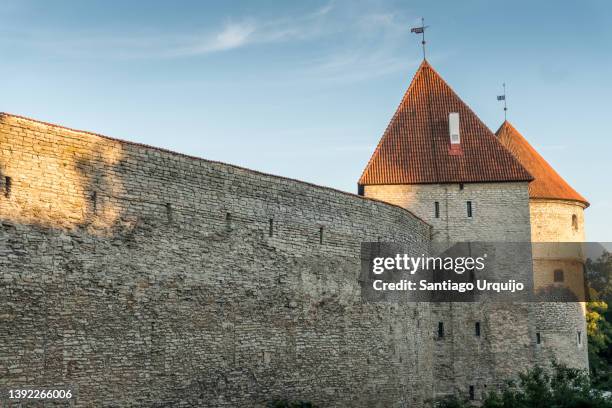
(415, 148)
(547, 183)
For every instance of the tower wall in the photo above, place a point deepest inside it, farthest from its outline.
(551, 220)
(562, 326)
(500, 212)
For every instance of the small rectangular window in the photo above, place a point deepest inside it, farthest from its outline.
(538, 338)
(271, 227)
(579, 338)
(477, 329)
(437, 209)
(7, 186)
(321, 235)
(469, 209)
(440, 329)
(472, 393)
(94, 202)
(169, 212)
(559, 275)
(228, 221)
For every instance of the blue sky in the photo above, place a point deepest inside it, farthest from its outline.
(305, 89)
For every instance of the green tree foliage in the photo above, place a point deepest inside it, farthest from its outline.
(599, 273)
(562, 387)
(599, 320)
(599, 332)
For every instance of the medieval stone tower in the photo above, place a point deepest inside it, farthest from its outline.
(438, 160)
(557, 216)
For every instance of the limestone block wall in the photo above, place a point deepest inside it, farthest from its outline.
(500, 212)
(561, 326)
(144, 277)
(553, 221)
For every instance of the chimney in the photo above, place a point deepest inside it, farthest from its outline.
(453, 131)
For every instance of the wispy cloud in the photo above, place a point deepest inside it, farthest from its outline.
(250, 31)
(380, 45)
(356, 41)
(234, 34)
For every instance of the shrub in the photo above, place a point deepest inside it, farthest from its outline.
(562, 387)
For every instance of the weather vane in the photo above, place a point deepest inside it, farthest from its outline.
(421, 30)
(503, 98)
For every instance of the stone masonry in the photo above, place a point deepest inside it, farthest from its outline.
(506, 344)
(561, 326)
(142, 277)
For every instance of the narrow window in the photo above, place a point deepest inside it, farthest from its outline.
(559, 275)
(477, 329)
(437, 209)
(321, 235)
(94, 202)
(440, 329)
(7, 186)
(574, 222)
(579, 338)
(472, 393)
(169, 212)
(538, 338)
(271, 227)
(469, 209)
(228, 221)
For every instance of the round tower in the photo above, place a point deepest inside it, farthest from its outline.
(557, 229)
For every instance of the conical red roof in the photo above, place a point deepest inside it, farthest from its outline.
(547, 182)
(415, 148)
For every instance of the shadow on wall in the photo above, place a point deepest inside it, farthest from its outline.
(100, 186)
(65, 181)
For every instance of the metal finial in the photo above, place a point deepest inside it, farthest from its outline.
(503, 98)
(421, 30)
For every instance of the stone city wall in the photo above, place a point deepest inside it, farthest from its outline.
(144, 277)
